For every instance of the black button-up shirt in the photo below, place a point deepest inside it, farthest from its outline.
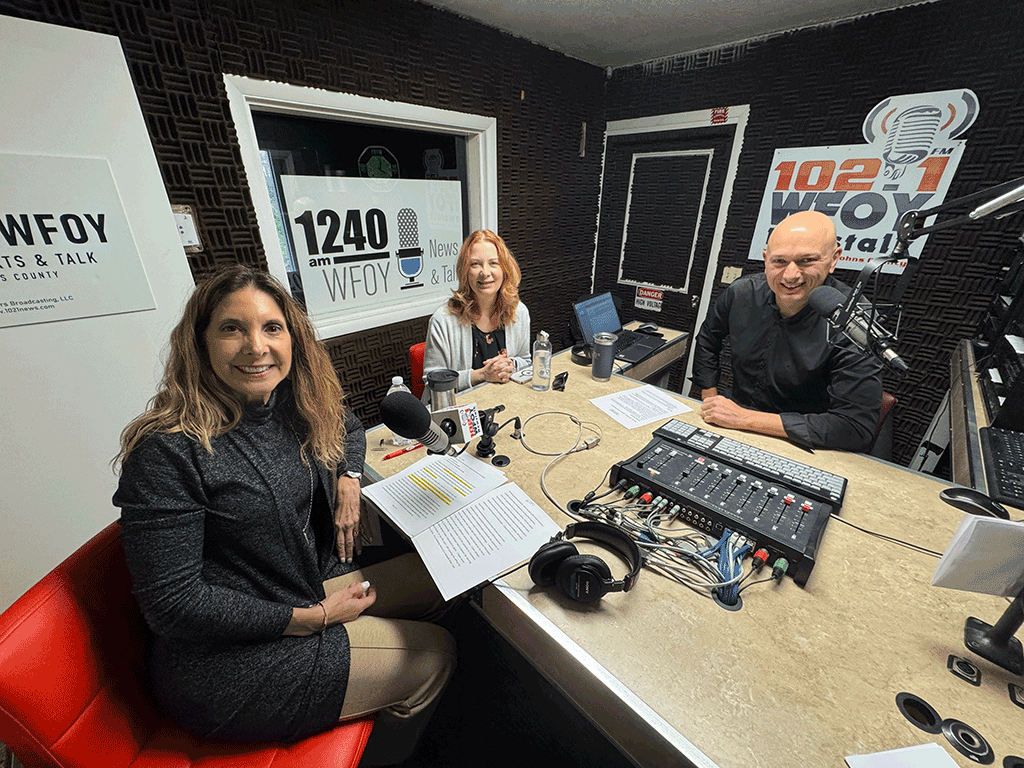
(827, 391)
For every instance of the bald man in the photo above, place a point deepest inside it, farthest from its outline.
(791, 377)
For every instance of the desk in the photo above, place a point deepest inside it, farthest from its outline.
(956, 424)
(967, 415)
(799, 676)
(655, 368)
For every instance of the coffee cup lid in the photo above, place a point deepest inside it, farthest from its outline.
(442, 379)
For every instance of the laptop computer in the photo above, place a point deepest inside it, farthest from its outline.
(597, 315)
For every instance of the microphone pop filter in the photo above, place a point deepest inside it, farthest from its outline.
(825, 300)
(404, 414)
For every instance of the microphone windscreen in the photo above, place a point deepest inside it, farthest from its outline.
(404, 414)
(825, 300)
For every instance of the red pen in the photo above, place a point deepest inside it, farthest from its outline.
(400, 451)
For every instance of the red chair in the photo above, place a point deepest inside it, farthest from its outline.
(416, 364)
(71, 682)
(881, 442)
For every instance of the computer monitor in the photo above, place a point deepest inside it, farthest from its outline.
(597, 315)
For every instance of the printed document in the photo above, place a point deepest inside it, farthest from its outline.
(641, 406)
(467, 524)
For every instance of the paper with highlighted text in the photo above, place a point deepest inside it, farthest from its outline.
(466, 522)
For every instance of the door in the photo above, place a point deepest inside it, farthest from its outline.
(664, 197)
(70, 386)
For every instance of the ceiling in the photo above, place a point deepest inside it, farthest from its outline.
(613, 33)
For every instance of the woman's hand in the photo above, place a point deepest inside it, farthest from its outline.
(346, 519)
(497, 370)
(348, 603)
(345, 604)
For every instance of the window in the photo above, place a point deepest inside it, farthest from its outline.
(364, 202)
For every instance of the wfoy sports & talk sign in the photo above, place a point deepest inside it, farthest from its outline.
(365, 244)
(65, 247)
(908, 162)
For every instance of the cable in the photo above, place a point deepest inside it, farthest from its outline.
(579, 445)
(589, 425)
(688, 557)
(900, 542)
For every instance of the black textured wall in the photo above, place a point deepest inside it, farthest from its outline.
(177, 51)
(814, 88)
(806, 88)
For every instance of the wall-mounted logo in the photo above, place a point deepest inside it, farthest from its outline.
(907, 128)
(912, 152)
(359, 249)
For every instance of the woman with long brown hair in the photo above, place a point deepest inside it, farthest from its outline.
(239, 497)
(483, 330)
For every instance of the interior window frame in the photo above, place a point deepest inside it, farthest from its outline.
(246, 95)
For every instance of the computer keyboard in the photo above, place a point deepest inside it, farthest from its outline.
(816, 483)
(626, 339)
(1003, 452)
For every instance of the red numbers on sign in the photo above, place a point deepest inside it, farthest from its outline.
(854, 175)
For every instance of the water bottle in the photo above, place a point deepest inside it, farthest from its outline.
(398, 386)
(541, 362)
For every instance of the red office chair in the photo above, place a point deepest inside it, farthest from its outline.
(71, 682)
(416, 364)
(881, 443)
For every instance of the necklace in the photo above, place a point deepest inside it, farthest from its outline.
(487, 335)
(309, 506)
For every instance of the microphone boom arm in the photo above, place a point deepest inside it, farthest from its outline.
(1008, 198)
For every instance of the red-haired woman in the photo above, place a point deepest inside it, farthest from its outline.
(483, 330)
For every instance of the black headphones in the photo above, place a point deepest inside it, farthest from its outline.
(585, 578)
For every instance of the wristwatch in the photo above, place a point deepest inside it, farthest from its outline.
(354, 475)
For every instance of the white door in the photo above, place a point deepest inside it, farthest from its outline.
(69, 387)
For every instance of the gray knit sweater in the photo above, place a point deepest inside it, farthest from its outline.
(220, 547)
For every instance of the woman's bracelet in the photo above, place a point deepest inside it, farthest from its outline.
(324, 626)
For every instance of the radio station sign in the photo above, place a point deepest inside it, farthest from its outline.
(907, 164)
(368, 244)
(66, 250)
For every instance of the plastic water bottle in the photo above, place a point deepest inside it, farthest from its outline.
(541, 362)
(397, 385)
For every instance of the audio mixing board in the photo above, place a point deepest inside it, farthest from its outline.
(721, 483)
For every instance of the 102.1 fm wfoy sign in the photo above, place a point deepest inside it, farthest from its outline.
(908, 162)
(363, 244)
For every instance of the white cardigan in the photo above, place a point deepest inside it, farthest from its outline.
(450, 343)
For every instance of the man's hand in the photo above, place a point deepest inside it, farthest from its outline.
(346, 519)
(723, 412)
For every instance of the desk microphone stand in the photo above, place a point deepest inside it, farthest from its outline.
(488, 429)
(997, 643)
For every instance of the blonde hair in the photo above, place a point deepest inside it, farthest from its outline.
(192, 399)
(463, 302)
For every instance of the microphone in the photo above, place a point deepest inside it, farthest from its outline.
(867, 335)
(404, 414)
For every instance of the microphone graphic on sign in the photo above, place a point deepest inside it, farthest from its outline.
(410, 255)
(910, 139)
